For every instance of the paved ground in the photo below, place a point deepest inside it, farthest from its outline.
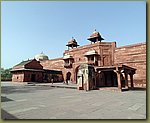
(20, 101)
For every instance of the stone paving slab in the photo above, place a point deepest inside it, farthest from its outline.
(44, 102)
(58, 85)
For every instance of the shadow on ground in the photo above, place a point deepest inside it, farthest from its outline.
(135, 89)
(138, 89)
(23, 89)
(5, 99)
(6, 116)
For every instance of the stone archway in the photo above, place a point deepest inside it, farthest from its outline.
(76, 72)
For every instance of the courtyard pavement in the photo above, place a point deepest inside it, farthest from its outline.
(22, 101)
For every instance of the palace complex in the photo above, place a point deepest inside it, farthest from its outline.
(98, 64)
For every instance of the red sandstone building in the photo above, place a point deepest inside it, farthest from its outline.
(100, 64)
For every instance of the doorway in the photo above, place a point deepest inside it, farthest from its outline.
(76, 74)
(68, 77)
(106, 79)
(33, 77)
(110, 79)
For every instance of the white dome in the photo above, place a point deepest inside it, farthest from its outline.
(41, 57)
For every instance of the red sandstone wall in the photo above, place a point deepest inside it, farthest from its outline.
(133, 56)
(53, 64)
(28, 74)
(18, 77)
(104, 49)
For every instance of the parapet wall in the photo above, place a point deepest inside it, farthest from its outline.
(133, 56)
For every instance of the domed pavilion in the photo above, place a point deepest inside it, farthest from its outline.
(41, 57)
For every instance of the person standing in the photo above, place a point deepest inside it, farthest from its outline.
(52, 80)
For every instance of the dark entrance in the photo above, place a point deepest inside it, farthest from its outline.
(110, 79)
(33, 77)
(68, 77)
(106, 79)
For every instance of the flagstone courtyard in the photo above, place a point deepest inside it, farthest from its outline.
(22, 101)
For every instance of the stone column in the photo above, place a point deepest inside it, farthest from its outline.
(131, 80)
(126, 80)
(118, 79)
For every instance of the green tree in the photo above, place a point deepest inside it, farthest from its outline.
(6, 75)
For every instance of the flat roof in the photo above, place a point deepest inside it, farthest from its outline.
(104, 68)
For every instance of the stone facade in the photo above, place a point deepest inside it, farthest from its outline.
(32, 71)
(133, 56)
(53, 64)
(26, 71)
(18, 77)
(27, 76)
(114, 66)
(105, 51)
(107, 55)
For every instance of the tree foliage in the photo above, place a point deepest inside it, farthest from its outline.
(6, 75)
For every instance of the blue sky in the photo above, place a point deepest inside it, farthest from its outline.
(28, 28)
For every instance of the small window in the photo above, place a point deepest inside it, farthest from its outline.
(17, 77)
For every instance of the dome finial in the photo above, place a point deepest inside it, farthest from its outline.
(42, 52)
(95, 30)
